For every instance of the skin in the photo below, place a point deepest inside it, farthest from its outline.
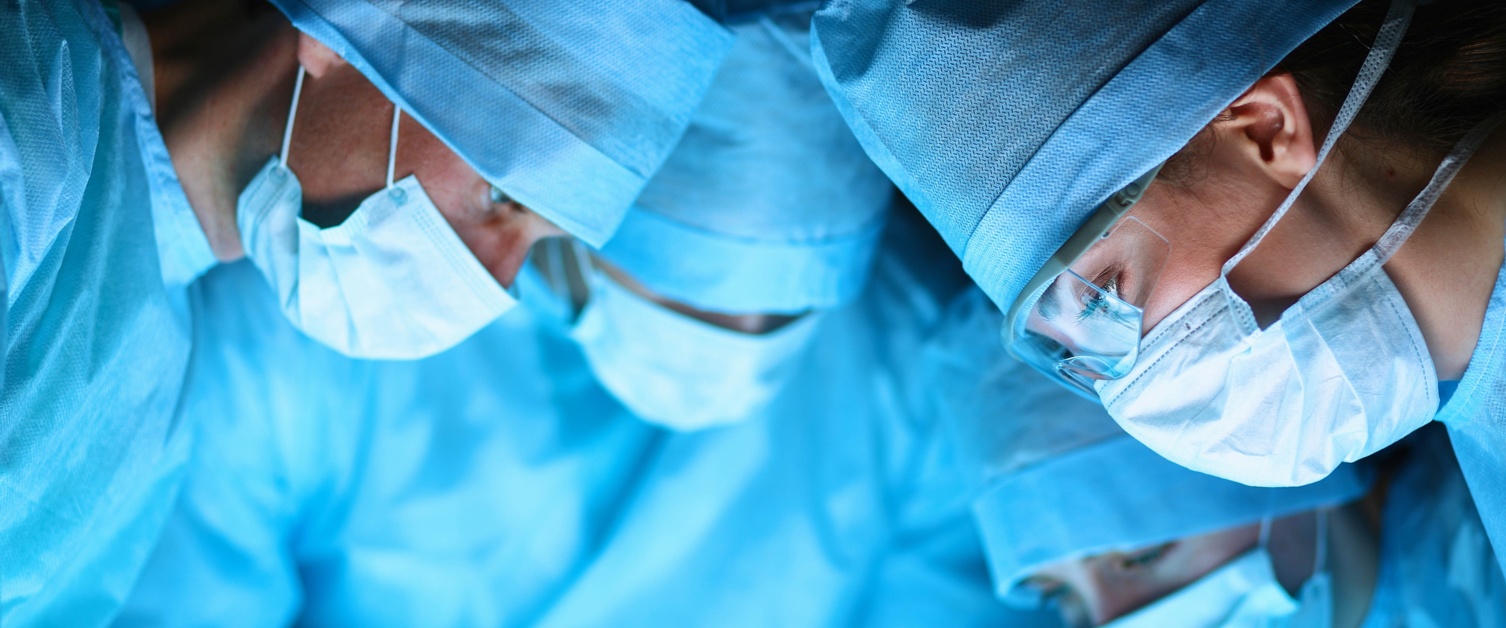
(222, 116)
(1255, 153)
(744, 323)
(1095, 590)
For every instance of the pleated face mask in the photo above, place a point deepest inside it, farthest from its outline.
(678, 372)
(668, 368)
(393, 281)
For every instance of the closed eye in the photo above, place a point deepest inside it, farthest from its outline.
(1145, 558)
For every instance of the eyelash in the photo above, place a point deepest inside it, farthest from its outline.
(1107, 281)
(1145, 558)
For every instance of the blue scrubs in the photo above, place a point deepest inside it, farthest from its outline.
(1436, 567)
(98, 244)
(498, 484)
(1476, 420)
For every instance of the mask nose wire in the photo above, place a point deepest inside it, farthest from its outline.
(287, 133)
(397, 115)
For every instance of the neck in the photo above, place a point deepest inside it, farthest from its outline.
(220, 113)
(1447, 269)
(1354, 560)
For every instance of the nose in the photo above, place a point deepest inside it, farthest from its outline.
(1079, 600)
(541, 227)
(524, 229)
(1096, 596)
(500, 235)
(1115, 593)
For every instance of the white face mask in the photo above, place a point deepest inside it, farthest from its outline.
(1343, 373)
(679, 372)
(393, 281)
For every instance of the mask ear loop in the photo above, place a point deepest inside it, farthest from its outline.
(397, 116)
(1407, 221)
(1265, 533)
(1381, 51)
(287, 132)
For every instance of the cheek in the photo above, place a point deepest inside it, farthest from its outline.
(499, 238)
(1200, 241)
(1183, 277)
(341, 128)
(500, 244)
(500, 241)
(339, 150)
(443, 173)
(459, 193)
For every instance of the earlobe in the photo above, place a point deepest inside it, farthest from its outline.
(316, 58)
(1271, 121)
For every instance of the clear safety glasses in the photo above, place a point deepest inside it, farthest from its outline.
(1080, 319)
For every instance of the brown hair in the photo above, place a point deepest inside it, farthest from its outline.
(1448, 74)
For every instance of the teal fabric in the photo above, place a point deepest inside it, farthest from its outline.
(98, 244)
(1446, 390)
(498, 484)
(1476, 418)
(1436, 564)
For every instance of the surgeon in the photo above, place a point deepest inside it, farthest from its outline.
(550, 471)
(765, 217)
(1266, 236)
(1079, 517)
(385, 167)
(383, 281)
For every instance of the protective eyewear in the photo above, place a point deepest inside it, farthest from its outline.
(1080, 319)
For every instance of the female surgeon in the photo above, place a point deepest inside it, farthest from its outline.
(136, 153)
(1266, 236)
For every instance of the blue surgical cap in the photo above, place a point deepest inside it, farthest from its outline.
(1118, 495)
(1056, 477)
(567, 107)
(769, 203)
(1007, 123)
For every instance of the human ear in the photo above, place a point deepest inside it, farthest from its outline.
(1271, 126)
(316, 58)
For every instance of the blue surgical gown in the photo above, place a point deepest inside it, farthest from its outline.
(1476, 420)
(98, 246)
(498, 484)
(1436, 567)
